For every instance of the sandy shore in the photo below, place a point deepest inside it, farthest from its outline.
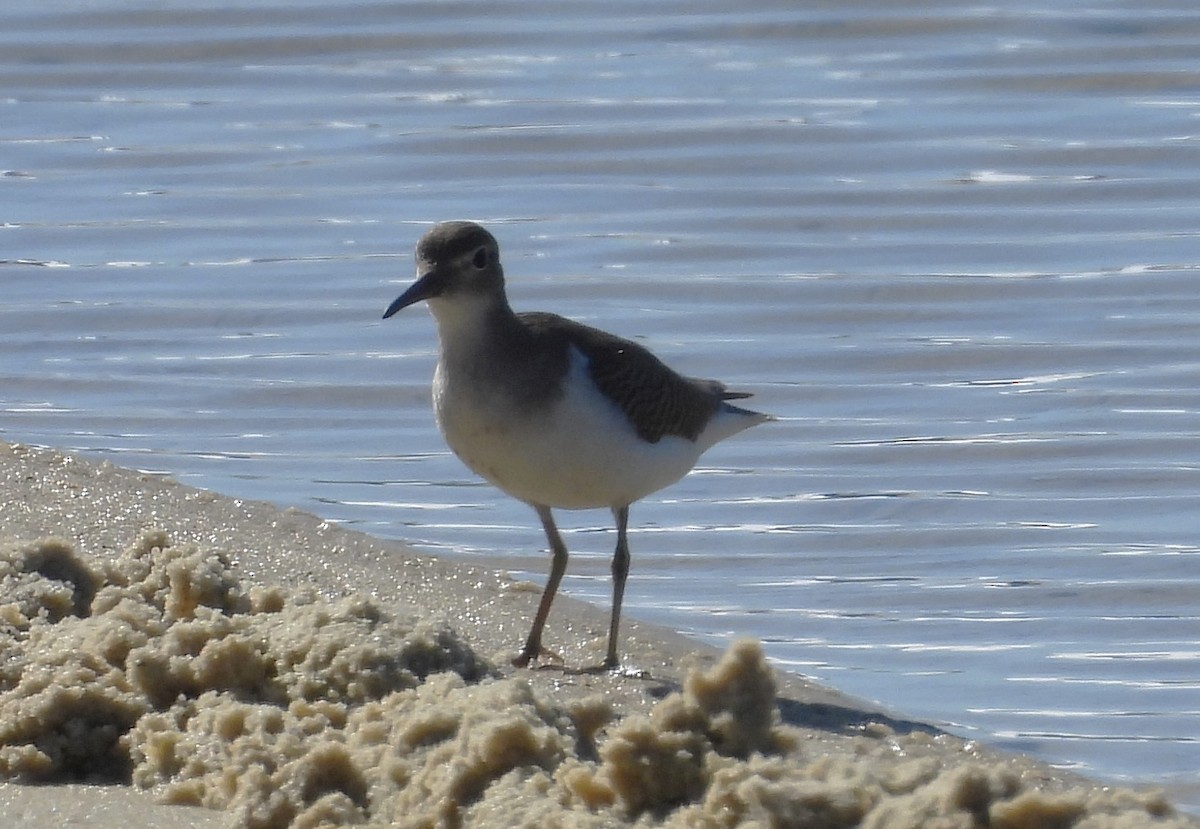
(173, 657)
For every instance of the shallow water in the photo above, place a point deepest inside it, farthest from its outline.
(953, 247)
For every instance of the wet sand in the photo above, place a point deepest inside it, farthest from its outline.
(259, 667)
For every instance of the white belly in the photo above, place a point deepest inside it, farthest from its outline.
(577, 453)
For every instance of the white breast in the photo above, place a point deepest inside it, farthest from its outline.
(578, 453)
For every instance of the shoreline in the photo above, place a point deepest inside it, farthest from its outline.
(900, 767)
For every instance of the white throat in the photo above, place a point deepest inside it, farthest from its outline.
(463, 320)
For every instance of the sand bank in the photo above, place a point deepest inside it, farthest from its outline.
(258, 667)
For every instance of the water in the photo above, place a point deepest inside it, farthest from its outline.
(954, 247)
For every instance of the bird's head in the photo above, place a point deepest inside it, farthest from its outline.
(454, 260)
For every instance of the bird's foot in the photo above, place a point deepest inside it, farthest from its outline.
(618, 670)
(535, 655)
(612, 665)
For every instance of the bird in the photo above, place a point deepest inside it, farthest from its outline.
(555, 413)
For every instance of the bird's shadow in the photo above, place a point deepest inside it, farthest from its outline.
(822, 716)
(845, 720)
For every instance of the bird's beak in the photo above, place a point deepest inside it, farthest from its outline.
(428, 284)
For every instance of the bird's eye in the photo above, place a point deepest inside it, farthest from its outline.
(480, 259)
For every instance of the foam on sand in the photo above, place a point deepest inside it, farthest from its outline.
(162, 669)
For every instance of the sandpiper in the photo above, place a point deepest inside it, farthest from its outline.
(555, 413)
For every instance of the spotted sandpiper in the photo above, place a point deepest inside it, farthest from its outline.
(555, 413)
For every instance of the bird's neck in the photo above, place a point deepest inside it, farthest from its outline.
(469, 322)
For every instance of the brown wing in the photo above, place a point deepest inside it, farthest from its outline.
(657, 400)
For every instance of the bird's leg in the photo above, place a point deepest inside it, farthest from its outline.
(558, 566)
(620, 570)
